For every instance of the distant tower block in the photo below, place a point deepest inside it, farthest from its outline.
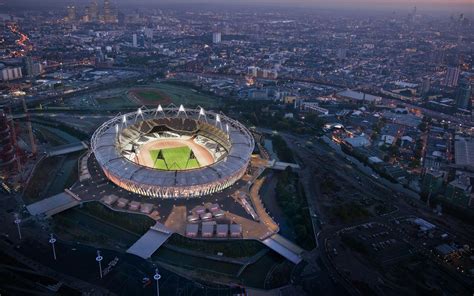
(216, 37)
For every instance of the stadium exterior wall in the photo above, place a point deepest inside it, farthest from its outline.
(178, 191)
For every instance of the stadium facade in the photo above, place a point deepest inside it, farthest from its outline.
(116, 145)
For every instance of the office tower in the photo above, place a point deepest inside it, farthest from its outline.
(463, 96)
(71, 13)
(452, 77)
(216, 37)
(148, 33)
(94, 11)
(32, 68)
(109, 13)
(134, 40)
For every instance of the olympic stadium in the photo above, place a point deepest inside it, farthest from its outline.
(173, 152)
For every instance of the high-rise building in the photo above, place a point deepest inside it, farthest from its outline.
(134, 40)
(452, 77)
(216, 37)
(31, 67)
(94, 11)
(148, 33)
(71, 13)
(110, 15)
(425, 87)
(463, 96)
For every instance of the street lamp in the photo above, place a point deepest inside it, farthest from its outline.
(52, 240)
(99, 258)
(157, 277)
(17, 221)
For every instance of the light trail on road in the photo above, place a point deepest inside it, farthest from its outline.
(22, 41)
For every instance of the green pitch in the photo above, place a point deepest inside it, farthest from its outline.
(174, 159)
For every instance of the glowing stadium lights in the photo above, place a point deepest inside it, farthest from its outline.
(159, 109)
(202, 114)
(181, 109)
(139, 113)
(117, 129)
(218, 120)
(124, 119)
(227, 128)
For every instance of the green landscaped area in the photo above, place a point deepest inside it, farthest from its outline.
(151, 95)
(180, 94)
(115, 102)
(95, 223)
(178, 158)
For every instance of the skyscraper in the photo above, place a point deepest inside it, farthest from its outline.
(71, 13)
(134, 40)
(94, 11)
(463, 96)
(216, 37)
(109, 14)
(452, 77)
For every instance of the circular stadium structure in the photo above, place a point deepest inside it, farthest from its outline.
(173, 152)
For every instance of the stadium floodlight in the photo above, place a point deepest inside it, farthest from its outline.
(159, 109)
(139, 113)
(202, 113)
(227, 128)
(117, 128)
(218, 120)
(181, 109)
(124, 119)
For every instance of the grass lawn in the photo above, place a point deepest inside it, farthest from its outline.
(187, 96)
(151, 95)
(115, 102)
(174, 159)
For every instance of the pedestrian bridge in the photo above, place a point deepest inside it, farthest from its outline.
(54, 204)
(284, 247)
(151, 241)
(281, 166)
(68, 148)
